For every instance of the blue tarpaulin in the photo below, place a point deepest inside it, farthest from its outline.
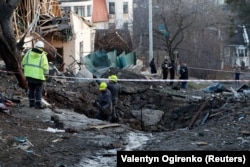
(215, 88)
(162, 28)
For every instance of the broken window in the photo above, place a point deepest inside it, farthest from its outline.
(241, 52)
(111, 8)
(80, 10)
(125, 7)
(89, 10)
(83, 8)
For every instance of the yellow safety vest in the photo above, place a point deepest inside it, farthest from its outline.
(35, 65)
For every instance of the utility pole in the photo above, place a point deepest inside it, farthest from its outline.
(150, 31)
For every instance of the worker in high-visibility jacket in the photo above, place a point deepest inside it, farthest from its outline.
(36, 66)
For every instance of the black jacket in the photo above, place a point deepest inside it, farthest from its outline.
(153, 67)
(183, 72)
(104, 101)
(164, 67)
(171, 68)
(114, 88)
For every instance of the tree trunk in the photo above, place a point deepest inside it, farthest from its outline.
(10, 53)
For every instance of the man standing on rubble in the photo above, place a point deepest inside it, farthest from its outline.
(104, 103)
(35, 64)
(114, 88)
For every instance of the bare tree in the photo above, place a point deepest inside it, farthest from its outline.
(196, 29)
(203, 45)
(174, 18)
(9, 49)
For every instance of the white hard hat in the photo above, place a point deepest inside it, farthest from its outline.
(39, 44)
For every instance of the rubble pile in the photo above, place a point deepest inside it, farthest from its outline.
(170, 119)
(150, 106)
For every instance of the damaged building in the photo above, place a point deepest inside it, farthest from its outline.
(71, 32)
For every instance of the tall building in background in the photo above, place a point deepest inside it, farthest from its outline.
(104, 14)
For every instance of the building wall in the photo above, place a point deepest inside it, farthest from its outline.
(81, 34)
(102, 25)
(81, 5)
(241, 54)
(118, 19)
(87, 36)
(235, 54)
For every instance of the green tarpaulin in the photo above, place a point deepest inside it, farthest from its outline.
(102, 59)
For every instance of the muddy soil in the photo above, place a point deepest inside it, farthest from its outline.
(27, 137)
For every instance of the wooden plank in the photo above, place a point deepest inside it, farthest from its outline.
(104, 126)
(36, 35)
(48, 27)
(197, 114)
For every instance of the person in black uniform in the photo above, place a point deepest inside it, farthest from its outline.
(164, 68)
(152, 66)
(104, 103)
(184, 75)
(171, 68)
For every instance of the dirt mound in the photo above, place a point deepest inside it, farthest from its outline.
(189, 119)
(181, 108)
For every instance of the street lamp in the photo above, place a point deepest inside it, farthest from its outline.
(150, 30)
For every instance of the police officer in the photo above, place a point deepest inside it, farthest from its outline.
(153, 66)
(184, 75)
(171, 68)
(35, 64)
(164, 67)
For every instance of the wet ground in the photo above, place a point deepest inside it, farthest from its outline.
(80, 143)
